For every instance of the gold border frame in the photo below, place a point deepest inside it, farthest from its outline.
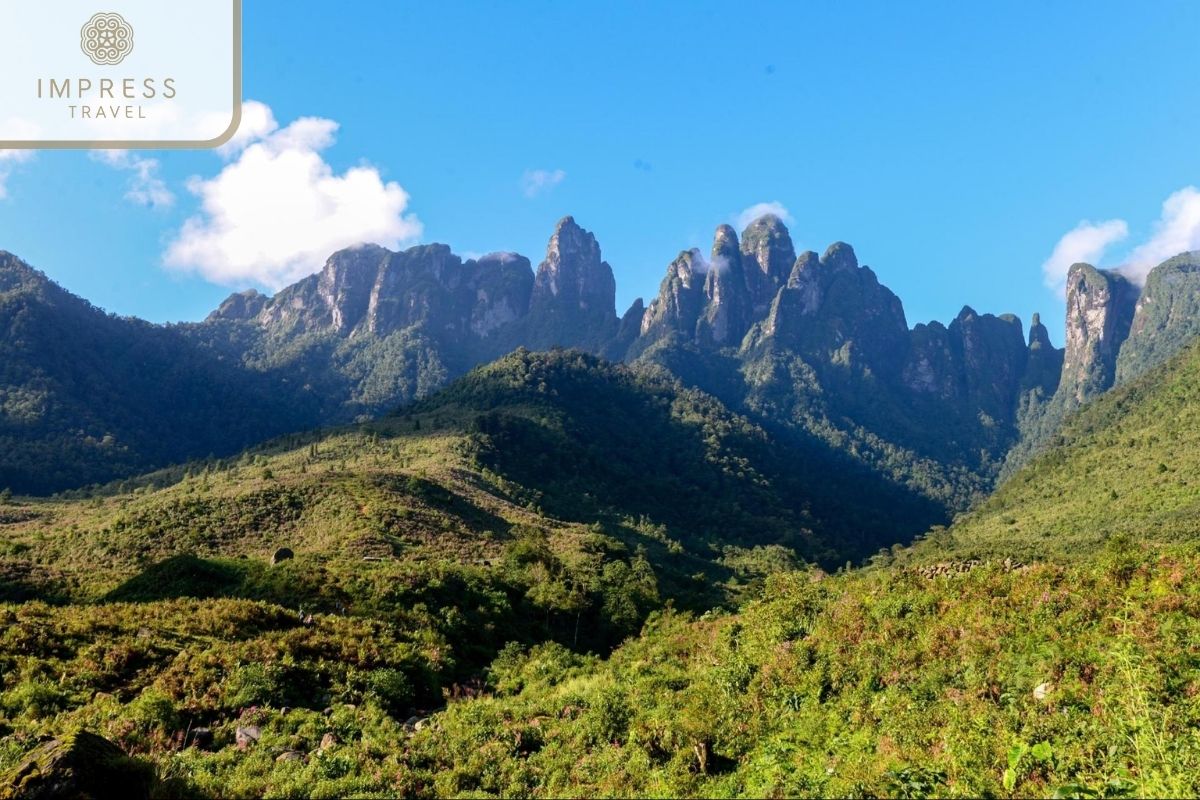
(168, 144)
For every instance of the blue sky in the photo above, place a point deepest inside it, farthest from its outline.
(953, 144)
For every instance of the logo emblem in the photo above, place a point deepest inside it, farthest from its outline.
(106, 39)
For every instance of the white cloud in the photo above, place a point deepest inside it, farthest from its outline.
(8, 160)
(539, 181)
(1177, 231)
(146, 188)
(1087, 242)
(758, 210)
(258, 121)
(275, 213)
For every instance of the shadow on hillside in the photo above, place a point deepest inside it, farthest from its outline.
(635, 459)
(182, 576)
(22, 581)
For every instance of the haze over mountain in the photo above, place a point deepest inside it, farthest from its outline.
(812, 345)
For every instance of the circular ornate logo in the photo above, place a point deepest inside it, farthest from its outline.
(106, 38)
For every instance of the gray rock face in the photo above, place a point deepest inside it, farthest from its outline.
(767, 259)
(934, 364)
(241, 306)
(573, 276)
(727, 304)
(573, 303)
(977, 364)
(836, 312)
(1100, 307)
(994, 357)
(680, 299)
(500, 285)
(1043, 369)
(373, 291)
(627, 332)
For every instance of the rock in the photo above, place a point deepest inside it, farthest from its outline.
(290, 755)
(329, 740)
(835, 313)
(1043, 370)
(281, 555)
(81, 765)
(1042, 691)
(247, 735)
(573, 303)
(240, 306)
(767, 258)
(200, 737)
(680, 300)
(728, 306)
(1100, 310)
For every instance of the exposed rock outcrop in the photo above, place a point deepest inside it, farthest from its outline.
(1100, 307)
(81, 765)
(574, 293)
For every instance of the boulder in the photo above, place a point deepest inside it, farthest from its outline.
(247, 735)
(200, 737)
(281, 555)
(81, 765)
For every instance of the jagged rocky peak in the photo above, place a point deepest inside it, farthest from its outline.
(837, 313)
(628, 331)
(344, 286)
(1039, 337)
(767, 257)
(806, 266)
(727, 302)
(371, 290)
(240, 306)
(1044, 368)
(573, 303)
(840, 256)
(680, 297)
(496, 288)
(994, 359)
(725, 244)
(1100, 306)
(574, 276)
(934, 362)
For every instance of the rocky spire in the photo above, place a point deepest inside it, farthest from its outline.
(727, 307)
(680, 298)
(574, 277)
(767, 258)
(1044, 367)
(1100, 308)
(840, 257)
(574, 292)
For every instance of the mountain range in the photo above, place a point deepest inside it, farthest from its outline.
(525, 584)
(811, 348)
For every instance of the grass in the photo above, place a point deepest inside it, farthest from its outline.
(1124, 465)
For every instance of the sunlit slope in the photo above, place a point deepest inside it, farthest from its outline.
(1127, 464)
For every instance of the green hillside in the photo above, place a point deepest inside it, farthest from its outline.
(1125, 465)
(506, 590)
